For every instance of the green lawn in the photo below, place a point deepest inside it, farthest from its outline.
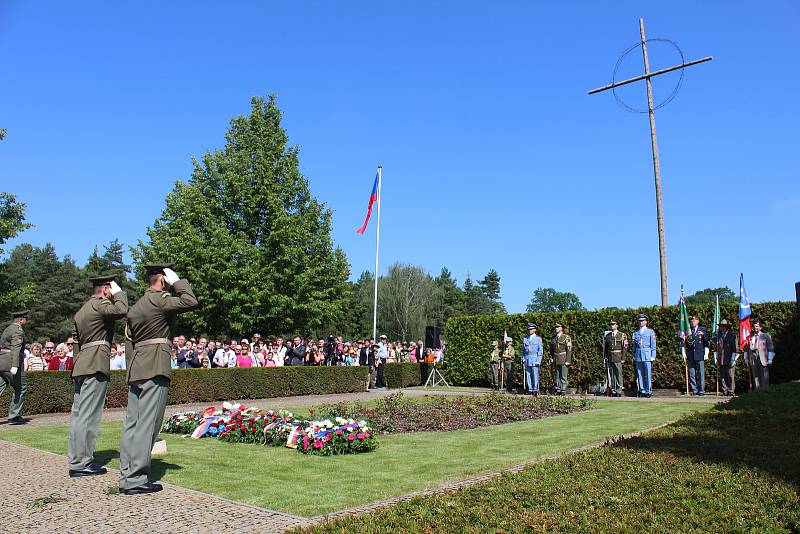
(734, 468)
(283, 479)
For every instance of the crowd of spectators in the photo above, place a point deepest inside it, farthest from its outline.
(201, 353)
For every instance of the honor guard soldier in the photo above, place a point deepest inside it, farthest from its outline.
(494, 366)
(508, 365)
(615, 348)
(532, 352)
(644, 354)
(561, 353)
(12, 356)
(760, 353)
(695, 353)
(726, 357)
(150, 323)
(94, 330)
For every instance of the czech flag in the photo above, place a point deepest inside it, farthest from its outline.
(744, 314)
(373, 197)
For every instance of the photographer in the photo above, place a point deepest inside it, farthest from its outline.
(329, 351)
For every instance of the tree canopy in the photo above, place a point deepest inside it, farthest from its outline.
(547, 299)
(706, 296)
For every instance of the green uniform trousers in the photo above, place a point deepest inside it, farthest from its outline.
(494, 374)
(20, 385)
(561, 378)
(87, 409)
(615, 369)
(147, 400)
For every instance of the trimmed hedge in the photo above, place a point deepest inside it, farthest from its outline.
(469, 343)
(52, 391)
(405, 374)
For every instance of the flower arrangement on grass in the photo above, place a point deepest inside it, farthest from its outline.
(345, 436)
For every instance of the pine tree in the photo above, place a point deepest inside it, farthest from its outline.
(490, 287)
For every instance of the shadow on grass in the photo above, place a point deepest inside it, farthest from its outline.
(759, 429)
(158, 467)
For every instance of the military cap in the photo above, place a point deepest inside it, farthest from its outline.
(156, 268)
(494, 343)
(613, 321)
(19, 314)
(724, 322)
(559, 324)
(101, 280)
(508, 340)
(642, 317)
(532, 325)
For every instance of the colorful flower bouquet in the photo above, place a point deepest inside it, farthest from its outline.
(235, 423)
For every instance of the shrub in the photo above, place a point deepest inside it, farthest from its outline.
(403, 375)
(52, 391)
(469, 342)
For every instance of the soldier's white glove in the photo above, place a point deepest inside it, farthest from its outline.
(13, 370)
(705, 354)
(683, 353)
(115, 288)
(170, 276)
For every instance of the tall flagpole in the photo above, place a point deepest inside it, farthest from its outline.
(377, 245)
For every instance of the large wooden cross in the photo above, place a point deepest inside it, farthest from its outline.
(662, 250)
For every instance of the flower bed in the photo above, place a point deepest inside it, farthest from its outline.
(395, 413)
(235, 423)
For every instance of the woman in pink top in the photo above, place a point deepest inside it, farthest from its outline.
(243, 359)
(269, 361)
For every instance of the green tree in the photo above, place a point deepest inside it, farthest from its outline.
(547, 300)
(706, 296)
(490, 287)
(404, 300)
(252, 240)
(12, 218)
(448, 299)
(474, 299)
(3, 132)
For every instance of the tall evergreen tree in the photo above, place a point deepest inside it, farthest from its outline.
(448, 298)
(474, 299)
(247, 233)
(490, 287)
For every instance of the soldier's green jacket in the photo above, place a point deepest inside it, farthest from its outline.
(11, 342)
(95, 322)
(153, 316)
(508, 356)
(495, 356)
(561, 349)
(615, 347)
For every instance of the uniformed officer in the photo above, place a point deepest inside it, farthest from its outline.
(695, 353)
(508, 365)
(532, 352)
(644, 354)
(12, 357)
(760, 353)
(726, 357)
(494, 366)
(615, 348)
(561, 353)
(150, 323)
(94, 330)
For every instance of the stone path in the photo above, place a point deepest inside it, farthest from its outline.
(33, 477)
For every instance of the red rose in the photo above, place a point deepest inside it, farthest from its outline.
(351, 437)
(328, 437)
(360, 435)
(339, 432)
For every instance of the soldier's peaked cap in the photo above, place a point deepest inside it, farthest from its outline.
(20, 313)
(613, 321)
(559, 324)
(725, 322)
(642, 317)
(532, 325)
(156, 268)
(101, 280)
(494, 343)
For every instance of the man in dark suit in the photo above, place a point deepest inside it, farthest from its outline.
(726, 357)
(298, 354)
(695, 352)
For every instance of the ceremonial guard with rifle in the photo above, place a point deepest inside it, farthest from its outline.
(615, 348)
(561, 354)
(532, 352)
(644, 354)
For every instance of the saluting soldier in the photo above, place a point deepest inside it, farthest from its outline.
(695, 353)
(94, 330)
(760, 353)
(561, 353)
(615, 348)
(644, 354)
(12, 356)
(532, 352)
(494, 366)
(726, 357)
(150, 323)
(508, 365)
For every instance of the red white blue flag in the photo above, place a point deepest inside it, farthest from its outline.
(744, 314)
(373, 197)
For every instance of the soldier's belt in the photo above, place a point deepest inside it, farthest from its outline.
(560, 353)
(3, 351)
(154, 341)
(95, 344)
(615, 351)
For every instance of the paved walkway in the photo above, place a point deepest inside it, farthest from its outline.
(44, 499)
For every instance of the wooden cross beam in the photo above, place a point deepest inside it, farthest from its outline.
(662, 248)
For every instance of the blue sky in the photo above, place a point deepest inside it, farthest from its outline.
(494, 155)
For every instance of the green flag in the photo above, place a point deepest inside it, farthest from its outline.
(715, 326)
(683, 325)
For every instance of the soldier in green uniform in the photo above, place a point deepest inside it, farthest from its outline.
(150, 323)
(561, 354)
(494, 366)
(508, 365)
(94, 330)
(615, 347)
(12, 354)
